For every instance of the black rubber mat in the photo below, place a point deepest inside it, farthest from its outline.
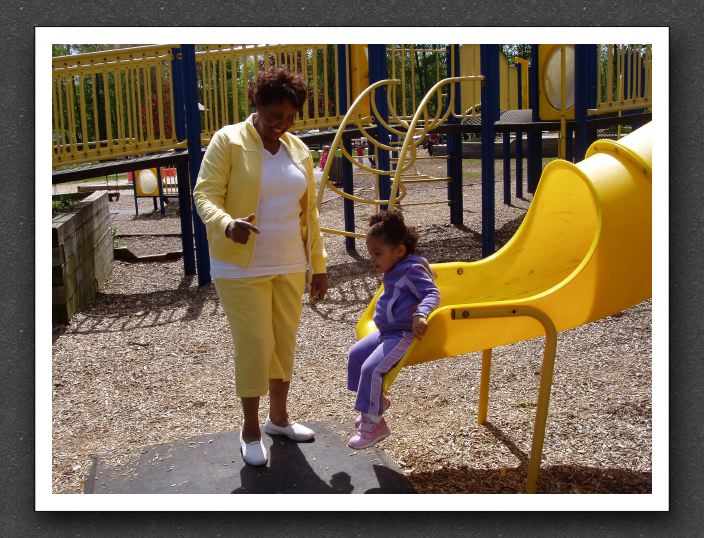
(213, 464)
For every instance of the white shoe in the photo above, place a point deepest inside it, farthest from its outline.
(294, 431)
(253, 453)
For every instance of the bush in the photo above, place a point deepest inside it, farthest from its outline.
(63, 205)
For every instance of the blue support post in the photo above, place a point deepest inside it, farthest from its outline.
(379, 70)
(585, 58)
(347, 174)
(489, 55)
(134, 190)
(193, 130)
(184, 185)
(519, 138)
(161, 190)
(507, 167)
(184, 205)
(454, 145)
(535, 135)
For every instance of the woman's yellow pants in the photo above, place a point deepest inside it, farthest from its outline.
(264, 313)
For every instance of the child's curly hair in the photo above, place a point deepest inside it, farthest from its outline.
(278, 84)
(390, 227)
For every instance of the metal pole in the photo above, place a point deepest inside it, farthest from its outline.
(485, 378)
(535, 150)
(490, 110)
(343, 66)
(454, 143)
(378, 70)
(519, 138)
(193, 129)
(586, 65)
(184, 205)
(507, 167)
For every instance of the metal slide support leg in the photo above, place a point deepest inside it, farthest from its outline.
(541, 413)
(484, 387)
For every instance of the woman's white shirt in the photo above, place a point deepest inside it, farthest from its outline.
(279, 247)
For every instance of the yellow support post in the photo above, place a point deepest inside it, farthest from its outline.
(484, 387)
(546, 373)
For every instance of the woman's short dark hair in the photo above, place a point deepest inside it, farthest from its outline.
(279, 84)
(390, 227)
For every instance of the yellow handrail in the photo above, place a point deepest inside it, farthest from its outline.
(541, 413)
(409, 142)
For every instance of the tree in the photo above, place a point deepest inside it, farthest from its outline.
(516, 51)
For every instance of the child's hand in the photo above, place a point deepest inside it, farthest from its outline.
(420, 325)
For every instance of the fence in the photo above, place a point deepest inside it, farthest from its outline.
(624, 78)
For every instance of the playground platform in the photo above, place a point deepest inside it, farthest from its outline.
(213, 464)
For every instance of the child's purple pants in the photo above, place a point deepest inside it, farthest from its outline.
(369, 359)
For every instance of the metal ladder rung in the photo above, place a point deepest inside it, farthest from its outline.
(428, 180)
(407, 204)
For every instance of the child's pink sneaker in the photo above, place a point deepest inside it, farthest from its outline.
(369, 434)
(386, 404)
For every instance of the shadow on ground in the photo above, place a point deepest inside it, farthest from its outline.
(552, 479)
(115, 312)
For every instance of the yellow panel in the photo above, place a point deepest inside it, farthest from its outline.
(549, 87)
(470, 64)
(359, 63)
(582, 252)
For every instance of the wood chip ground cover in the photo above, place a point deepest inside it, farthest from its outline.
(149, 362)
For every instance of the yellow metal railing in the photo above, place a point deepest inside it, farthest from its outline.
(407, 152)
(227, 72)
(624, 78)
(410, 134)
(403, 62)
(118, 103)
(112, 104)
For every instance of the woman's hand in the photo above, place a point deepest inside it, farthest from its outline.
(318, 287)
(239, 229)
(420, 325)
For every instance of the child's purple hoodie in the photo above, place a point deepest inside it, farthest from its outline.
(409, 288)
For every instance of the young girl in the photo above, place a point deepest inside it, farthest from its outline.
(409, 296)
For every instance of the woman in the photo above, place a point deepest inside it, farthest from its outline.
(256, 195)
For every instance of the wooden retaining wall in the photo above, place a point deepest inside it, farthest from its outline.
(82, 255)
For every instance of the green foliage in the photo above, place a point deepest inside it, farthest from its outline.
(516, 51)
(67, 49)
(419, 71)
(64, 204)
(116, 241)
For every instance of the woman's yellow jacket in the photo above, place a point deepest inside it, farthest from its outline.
(228, 187)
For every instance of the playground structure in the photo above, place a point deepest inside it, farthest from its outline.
(583, 252)
(578, 243)
(154, 106)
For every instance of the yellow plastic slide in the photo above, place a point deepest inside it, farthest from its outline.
(582, 252)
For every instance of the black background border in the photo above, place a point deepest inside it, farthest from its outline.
(17, 328)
